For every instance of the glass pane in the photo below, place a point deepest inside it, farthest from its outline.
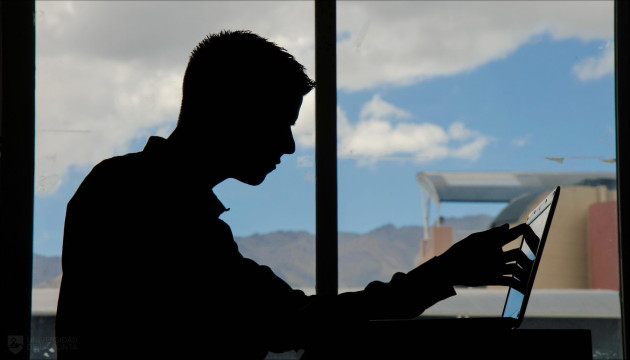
(459, 102)
(109, 76)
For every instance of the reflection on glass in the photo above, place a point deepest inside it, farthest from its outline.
(513, 304)
(527, 250)
(529, 247)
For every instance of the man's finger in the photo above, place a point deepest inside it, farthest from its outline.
(516, 255)
(514, 270)
(511, 269)
(516, 231)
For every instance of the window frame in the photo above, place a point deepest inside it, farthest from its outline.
(17, 131)
(17, 164)
(623, 152)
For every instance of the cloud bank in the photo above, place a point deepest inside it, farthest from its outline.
(401, 42)
(384, 132)
(595, 67)
(110, 72)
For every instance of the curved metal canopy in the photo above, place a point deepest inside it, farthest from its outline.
(502, 186)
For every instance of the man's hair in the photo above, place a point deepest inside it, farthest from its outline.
(230, 65)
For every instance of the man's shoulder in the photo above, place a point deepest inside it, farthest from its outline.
(131, 161)
(118, 168)
(135, 163)
(114, 174)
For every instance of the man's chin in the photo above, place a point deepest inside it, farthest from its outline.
(253, 180)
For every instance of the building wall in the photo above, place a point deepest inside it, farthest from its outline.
(581, 249)
(441, 238)
(566, 263)
(603, 246)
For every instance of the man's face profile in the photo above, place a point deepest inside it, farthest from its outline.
(241, 95)
(262, 134)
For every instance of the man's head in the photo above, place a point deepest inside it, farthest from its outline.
(241, 94)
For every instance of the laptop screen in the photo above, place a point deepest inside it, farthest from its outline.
(538, 221)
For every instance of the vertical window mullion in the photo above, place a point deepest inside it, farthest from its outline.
(326, 250)
(623, 195)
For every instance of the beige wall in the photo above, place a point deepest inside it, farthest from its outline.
(441, 239)
(565, 262)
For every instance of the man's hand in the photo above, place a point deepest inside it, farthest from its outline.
(479, 259)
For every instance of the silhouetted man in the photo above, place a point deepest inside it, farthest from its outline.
(149, 269)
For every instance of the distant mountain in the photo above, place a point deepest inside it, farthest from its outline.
(291, 254)
(51, 283)
(464, 226)
(378, 254)
(45, 268)
(375, 255)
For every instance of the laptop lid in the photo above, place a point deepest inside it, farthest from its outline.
(539, 220)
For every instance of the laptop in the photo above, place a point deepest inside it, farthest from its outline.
(539, 220)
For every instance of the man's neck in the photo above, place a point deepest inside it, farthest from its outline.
(205, 165)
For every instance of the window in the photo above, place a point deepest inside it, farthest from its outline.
(441, 97)
(16, 261)
(103, 90)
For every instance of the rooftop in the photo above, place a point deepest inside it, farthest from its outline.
(502, 186)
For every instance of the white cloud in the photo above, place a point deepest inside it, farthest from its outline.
(304, 129)
(385, 132)
(107, 72)
(376, 137)
(471, 151)
(521, 141)
(164, 32)
(104, 104)
(401, 42)
(305, 161)
(593, 68)
(378, 108)
(458, 131)
(111, 72)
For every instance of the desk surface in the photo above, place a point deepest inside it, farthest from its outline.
(415, 340)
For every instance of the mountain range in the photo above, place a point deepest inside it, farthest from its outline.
(375, 255)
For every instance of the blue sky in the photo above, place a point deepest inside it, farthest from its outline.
(502, 96)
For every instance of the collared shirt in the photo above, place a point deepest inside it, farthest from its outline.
(149, 268)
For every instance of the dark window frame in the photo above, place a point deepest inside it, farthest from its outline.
(17, 163)
(17, 144)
